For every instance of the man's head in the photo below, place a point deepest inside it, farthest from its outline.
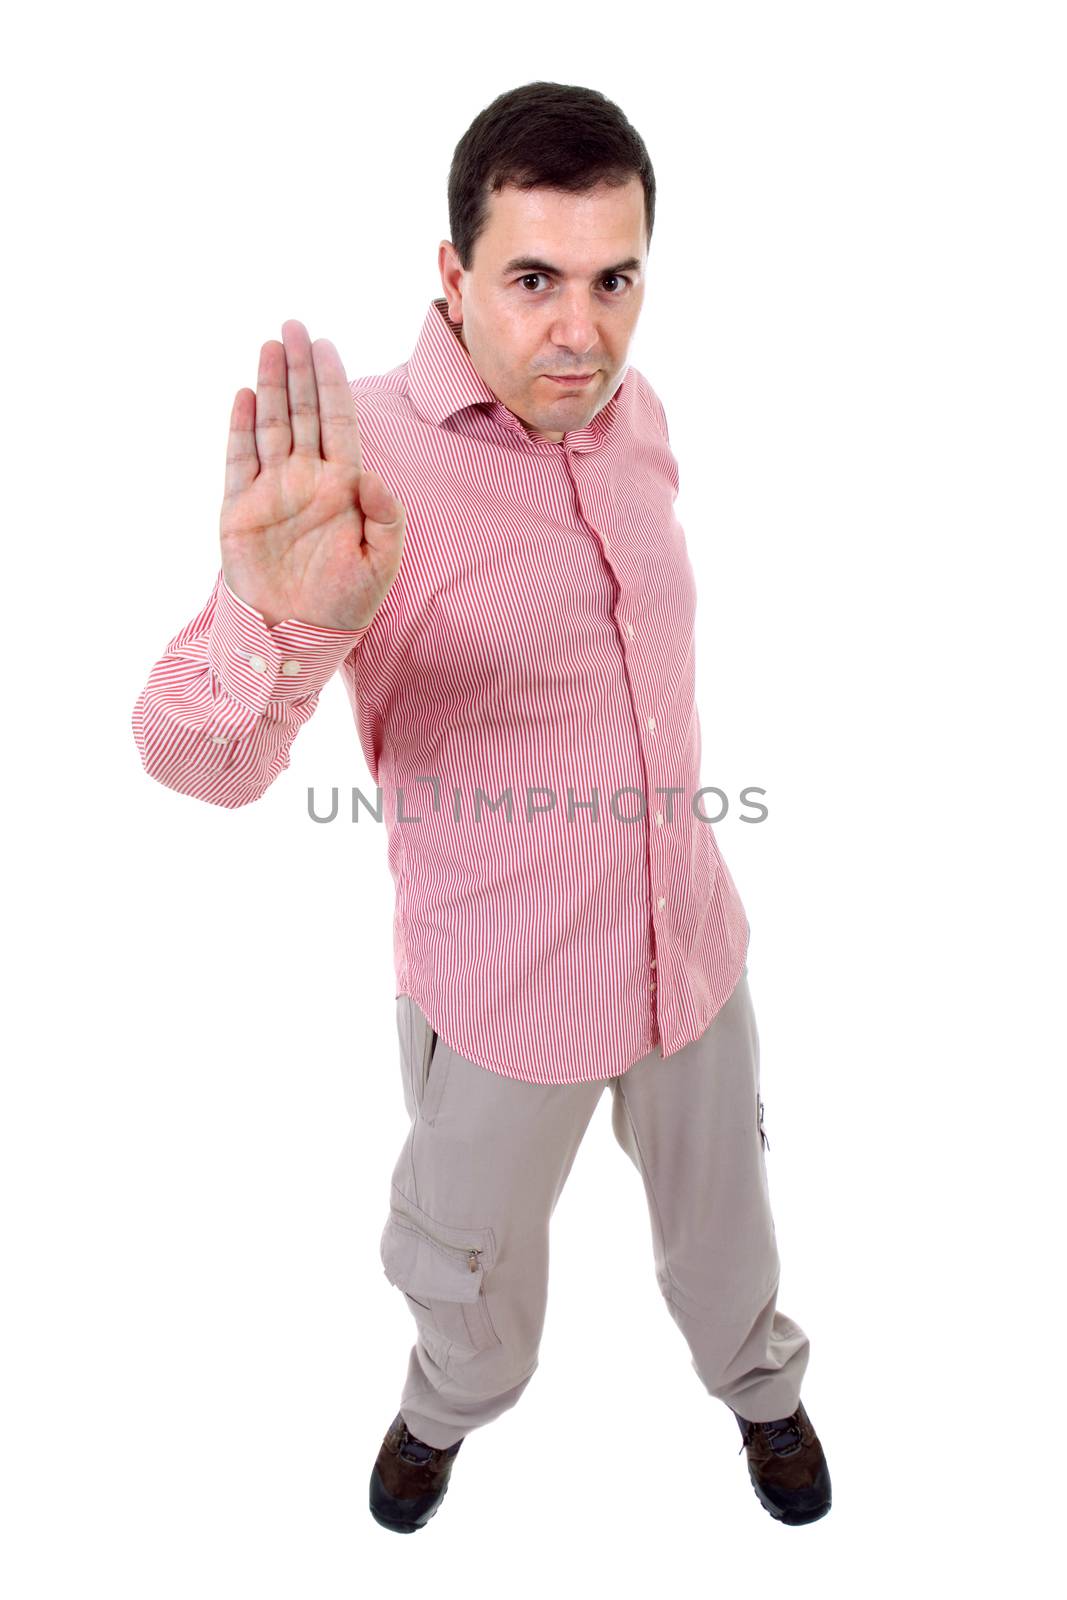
(551, 200)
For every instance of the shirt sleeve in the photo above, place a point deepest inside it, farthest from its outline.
(225, 701)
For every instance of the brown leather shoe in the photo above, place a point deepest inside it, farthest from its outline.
(787, 1466)
(409, 1479)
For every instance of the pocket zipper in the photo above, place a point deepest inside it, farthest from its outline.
(470, 1251)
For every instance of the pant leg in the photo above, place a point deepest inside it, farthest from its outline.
(467, 1237)
(691, 1123)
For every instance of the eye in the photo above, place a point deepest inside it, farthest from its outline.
(610, 277)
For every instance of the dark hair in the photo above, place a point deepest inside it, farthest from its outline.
(542, 135)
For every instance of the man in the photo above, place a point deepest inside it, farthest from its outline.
(489, 553)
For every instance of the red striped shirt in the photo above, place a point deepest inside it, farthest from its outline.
(537, 641)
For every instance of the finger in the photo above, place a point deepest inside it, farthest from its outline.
(383, 515)
(338, 417)
(242, 461)
(273, 436)
(301, 391)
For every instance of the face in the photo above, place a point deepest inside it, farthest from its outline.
(554, 287)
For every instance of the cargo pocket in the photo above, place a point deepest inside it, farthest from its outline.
(441, 1272)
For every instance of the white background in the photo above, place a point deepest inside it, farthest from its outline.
(855, 318)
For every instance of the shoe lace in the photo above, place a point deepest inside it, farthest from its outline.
(419, 1451)
(784, 1434)
(413, 1449)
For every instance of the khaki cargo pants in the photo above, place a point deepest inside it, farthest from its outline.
(476, 1183)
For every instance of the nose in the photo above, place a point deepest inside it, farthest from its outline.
(574, 327)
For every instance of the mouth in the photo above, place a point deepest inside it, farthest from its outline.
(575, 382)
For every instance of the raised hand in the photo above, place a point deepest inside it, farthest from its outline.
(306, 533)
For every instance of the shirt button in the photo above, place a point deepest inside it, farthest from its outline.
(651, 724)
(662, 902)
(290, 668)
(220, 738)
(659, 818)
(257, 663)
(630, 629)
(653, 961)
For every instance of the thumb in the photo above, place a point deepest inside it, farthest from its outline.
(377, 501)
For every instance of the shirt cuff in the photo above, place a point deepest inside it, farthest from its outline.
(257, 665)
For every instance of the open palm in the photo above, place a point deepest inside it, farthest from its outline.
(306, 533)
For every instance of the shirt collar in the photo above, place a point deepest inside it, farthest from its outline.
(443, 380)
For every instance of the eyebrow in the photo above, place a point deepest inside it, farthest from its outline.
(533, 264)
